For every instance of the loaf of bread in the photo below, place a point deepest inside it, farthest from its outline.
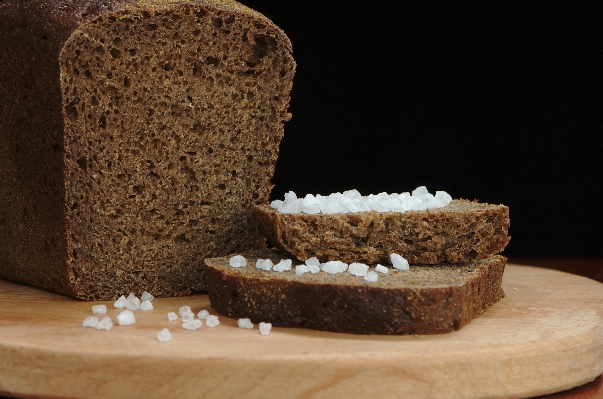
(422, 300)
(135, 138)
(462, 231)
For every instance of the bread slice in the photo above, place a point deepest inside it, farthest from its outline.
(460, 232)
(135, 137)
(423, 300)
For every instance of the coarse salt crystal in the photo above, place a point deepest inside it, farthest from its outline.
(146, 297)
(105, 324)
(192, 325)
(99, 309)
(399, 262)
(265, 328)
(204, 314)
(164, 335)
(238, 261)
(121, 303)
(277, 204)
(371, 276)
(126, 318)
(212, 321)
(133, 302)
(313, 264)
(184, 309)
(187, 316)
(245, 323)
(419, 191)
(172, 316)
(263, 264)
(146, 305)
(334, 267)
(381, 269)
(358, 269)
(90, 321)
(301, 269)
(284, 264)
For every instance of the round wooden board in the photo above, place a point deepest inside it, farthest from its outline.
(546, 336)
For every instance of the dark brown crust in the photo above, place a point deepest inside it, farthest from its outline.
(358, 307)
(37, 222)
(461, 232)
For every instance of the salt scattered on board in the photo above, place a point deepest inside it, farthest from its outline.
(146, 305)
(90, 321)
(204, 314)
(172, 316)
(105, 324)
(99, 309)
(164, 335)
(212, 321)
(192, 325)
(245, 323)
(146, 297)
(133, 302)
(184, 309)
(265, 328)
(121, 303)
(126, 318)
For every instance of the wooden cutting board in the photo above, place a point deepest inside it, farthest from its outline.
(546, 336)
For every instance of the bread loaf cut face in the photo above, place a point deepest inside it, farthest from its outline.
(422, 300)
(159, 130)
(460, 232)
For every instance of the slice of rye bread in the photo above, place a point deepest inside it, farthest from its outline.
(460, 232)
(135, 137)
(423, 300)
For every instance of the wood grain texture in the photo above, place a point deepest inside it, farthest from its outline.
(546, 336)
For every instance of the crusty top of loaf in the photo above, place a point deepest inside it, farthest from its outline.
(61, 17)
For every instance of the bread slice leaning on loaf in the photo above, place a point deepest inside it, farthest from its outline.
(422, 300)
(460, 232)
(135, 137)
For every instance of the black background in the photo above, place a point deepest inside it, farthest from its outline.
(502, 104)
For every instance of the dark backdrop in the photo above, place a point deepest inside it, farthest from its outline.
(503, 105)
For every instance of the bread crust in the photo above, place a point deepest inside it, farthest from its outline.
(425, 300)
(460, 232)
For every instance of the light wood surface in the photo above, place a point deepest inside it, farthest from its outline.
(546, 336)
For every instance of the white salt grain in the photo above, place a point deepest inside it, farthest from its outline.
(334, 267)
(238, 261)
(265, 328)
(204, 314)
(192, 325)
(126, 318)
(212, 321)
(301, 269)
(245, 323)
(164, 335)
(371, 276)
(172, 316)
(146, 305)
(187, 316)
(90, 321)
(133, 302)
(399, 262)
(263, 264)
(313, 264)
(105, 324)
(284, 264)
(184, 309)
(358, 269)
(381, 269)
(99, 309)
(121, 303)
(146, 297)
